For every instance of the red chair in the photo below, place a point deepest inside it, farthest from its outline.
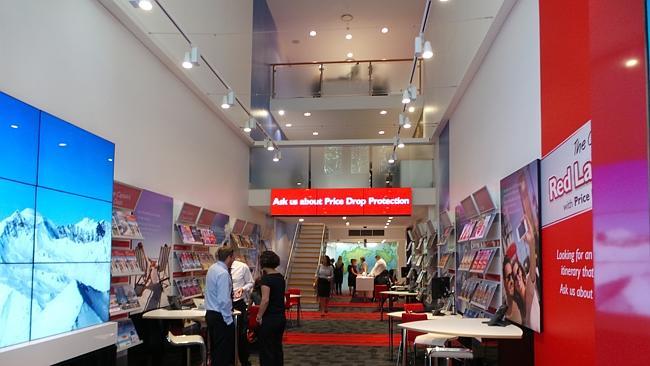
(414, 308)
(252, 323)
(410, 335)
(382, 298)
(295, 301)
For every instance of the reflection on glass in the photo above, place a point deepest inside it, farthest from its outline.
(333, 160)
(360, 159)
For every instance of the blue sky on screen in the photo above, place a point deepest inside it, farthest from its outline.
(63, 208)
(15, 197)
(74, 160)
(18, 140)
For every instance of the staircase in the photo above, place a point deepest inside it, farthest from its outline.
(304, 260)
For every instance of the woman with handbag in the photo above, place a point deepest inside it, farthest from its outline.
(324, 276)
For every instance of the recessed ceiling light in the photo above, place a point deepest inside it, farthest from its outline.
(401, 145)
(281, 112)
(347, 224)
(288, 125)
(14, 126)
(384, 30)
(348, 37)
(411, 109)
(299, 183)
(301, 219)
(315, 133)
(631, 62)
(307, 114)
(443, 1)
(385, 227)
(350, 54)
(145, 5)
(312, 33)
(383, 112)
(389, 220)
(62, 144)
(344, 217)
(390, 217)
(381, 132)
(388, 224)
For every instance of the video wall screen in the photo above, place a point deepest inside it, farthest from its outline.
(56, 183)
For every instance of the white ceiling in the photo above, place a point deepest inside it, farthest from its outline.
(295, 18)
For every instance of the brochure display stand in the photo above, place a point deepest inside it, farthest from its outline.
(479, 250)
(245, 239)
(420, 252)
(444, 263)
(125, 266)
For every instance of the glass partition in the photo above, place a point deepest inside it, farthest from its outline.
(286, 173)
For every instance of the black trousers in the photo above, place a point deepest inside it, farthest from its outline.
(222, 339)
(270, 341)
(242, 325)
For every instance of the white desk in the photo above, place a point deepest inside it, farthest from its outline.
(463, 327)
(365, 283)
(193, 314)
(398, 315)
(392, 294)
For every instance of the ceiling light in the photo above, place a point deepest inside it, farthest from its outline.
(348, 37)
(398, 143)
(344, 217)
(315, 133)
(301, 219)
(405, 97)
(269, 145)
(392, 158)
(288, 125)
(347, 223)
(388, 224)
(389, 220)
(191, 58)
(384, 30)
(299, 183)
(228, 100)
(383, 112)
(381, 132)
(407, 124)
(427, 53)
(307, 114)
(443, 1)
(411, 109)
(250, 125)
(404, 121)
(145, 5)
(281, 112)
(631, 62)
(350, 54)
(385, 227)
(312, 33)
(62, 144)
(390, 217)
(14, 126)
(277, 156)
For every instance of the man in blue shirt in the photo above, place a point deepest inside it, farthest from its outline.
(218, 305)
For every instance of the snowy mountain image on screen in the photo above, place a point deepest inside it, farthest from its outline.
(69, 296)
(17, 237)
(15, 298)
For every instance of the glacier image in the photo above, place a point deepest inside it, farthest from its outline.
(15, 302)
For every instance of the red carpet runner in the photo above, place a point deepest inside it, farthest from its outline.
(314, 315)
(340, 339)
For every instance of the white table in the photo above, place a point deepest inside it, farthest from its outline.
(193, 314)
(365, 284)
(392, 294)
(460, 327)
(398, 315)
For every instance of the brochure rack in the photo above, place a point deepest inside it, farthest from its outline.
(479, 253)
(421, 253)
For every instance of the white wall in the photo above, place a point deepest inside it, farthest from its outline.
(496, 127)
(73, 59)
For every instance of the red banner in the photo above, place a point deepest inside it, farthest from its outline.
(189, 213)
(125, 196)
(341, 202)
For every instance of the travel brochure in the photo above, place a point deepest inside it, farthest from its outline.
(194, 261)
(241, 241)
(471, 313)
(482, 227)
(124, 263)
(189, 287)
(467, 291)
(482, 260)
(123, 297)
(127, 336)
(445, 259)
(190, 234)
(484, 293)
(467, 260)
(124, 224)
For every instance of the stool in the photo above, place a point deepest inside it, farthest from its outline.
(448, 352)
(431, 340)
(187, 341)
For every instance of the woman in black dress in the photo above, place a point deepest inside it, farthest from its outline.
(324, 276)
(271, 316)
(338, 275)
(352, 276)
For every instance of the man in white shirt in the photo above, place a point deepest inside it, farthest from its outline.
(380, 266)
(218, 306)
(242, 284)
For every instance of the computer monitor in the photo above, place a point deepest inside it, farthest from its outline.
(440, 288)
(404, 272)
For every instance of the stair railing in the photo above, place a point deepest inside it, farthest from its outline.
(322, 250)
(289, 261)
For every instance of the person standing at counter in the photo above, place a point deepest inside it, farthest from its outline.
(218, 306)
(338, 275)
(363, 267)
(379, 267)
(271, 316)
(352, 276)
(242, 283)
(324, 275)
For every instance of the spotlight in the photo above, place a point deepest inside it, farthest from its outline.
(385, 227)
(350, 55)
(347, 223)
(312, 33)
(411, 109)
(228, 100)
(427, 53)
(392, 158)
(281, 112)
(406, 99)
(404, 121)
(315, 133)
(307, 114)
(191, 58)
(277, 156)
(381, 132)
(250, 125)
(383, 112)
(390, 217)
(301, 220)
(398, 143)
(288, 125)
(348, 36)
(145, 5)
(344, 217)
(269, 145)
(384, 30)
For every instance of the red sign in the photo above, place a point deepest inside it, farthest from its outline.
(340, 202)
(189, 213)
(206, 218)
(125, 196)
